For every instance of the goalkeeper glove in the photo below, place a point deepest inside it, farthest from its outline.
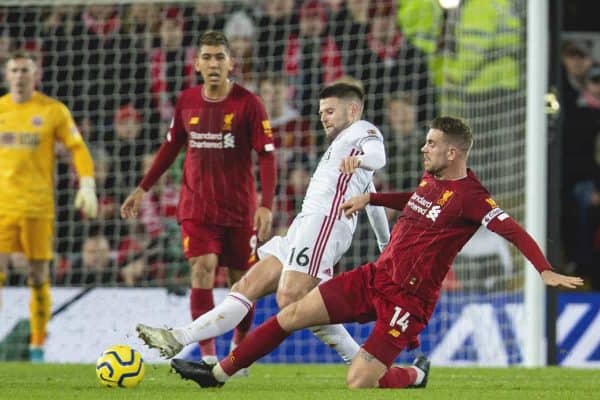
(86, 200)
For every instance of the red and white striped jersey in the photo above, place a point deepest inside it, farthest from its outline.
(328, 187)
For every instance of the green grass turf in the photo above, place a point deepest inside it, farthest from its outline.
(288, 382)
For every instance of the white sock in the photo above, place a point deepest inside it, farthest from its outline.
(210, 359)
(338, 338)
(223, 318)
(420, 375)
(219, 374)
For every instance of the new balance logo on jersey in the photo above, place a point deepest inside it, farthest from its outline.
(434, 212)
(228, 141)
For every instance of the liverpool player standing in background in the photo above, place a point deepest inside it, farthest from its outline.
(219, 123)
(30, 124)
(399, 290)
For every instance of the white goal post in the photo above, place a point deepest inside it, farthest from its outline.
(536, 176)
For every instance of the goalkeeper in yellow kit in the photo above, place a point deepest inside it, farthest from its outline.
(30, 124)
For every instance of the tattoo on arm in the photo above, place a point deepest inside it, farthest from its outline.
(365, 356)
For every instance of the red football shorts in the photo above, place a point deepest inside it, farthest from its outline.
(363, 295)
(236, 246)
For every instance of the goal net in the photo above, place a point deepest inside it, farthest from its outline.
(119, 68)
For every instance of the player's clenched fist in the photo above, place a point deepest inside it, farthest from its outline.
(349, 164)
(131, 205)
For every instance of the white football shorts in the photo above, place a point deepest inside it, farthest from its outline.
(313, 245)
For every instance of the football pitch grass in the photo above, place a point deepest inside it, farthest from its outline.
(298, 381)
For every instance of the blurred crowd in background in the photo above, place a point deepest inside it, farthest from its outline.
(580, 102)
(119, 69)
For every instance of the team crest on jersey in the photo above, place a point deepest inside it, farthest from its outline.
(491, 202)
(423, 183)
(444, 197)
(227, 120)
(194, 121)
(37, 121)
(267, 128)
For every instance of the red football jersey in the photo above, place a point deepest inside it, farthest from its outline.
(218, 184)
(436, 222)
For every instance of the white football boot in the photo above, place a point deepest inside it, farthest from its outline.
(159, 338)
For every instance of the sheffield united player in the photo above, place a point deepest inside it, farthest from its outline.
(399, 290)
(219, 123)
(294, 264)
(30, 125)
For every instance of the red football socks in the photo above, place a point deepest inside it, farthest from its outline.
(259, 342)
(243, 327)
(397, 377)
(201, 301)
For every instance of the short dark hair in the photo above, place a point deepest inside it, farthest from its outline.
(343, 90)
(20, 54)
(214, 38)
(456, 130)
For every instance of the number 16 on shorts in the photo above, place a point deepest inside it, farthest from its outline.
(400, 318)
(301, 258)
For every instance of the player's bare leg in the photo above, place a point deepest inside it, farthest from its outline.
(39, 307)
(309, 311)
(293, 286)
(201, 297)
(366, 371)
(260, 280)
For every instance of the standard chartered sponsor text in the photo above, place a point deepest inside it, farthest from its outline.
(206, 136)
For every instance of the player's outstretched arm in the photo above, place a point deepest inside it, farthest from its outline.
(513, 232)
(379, 222)
(552, 278)
(131, 205)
